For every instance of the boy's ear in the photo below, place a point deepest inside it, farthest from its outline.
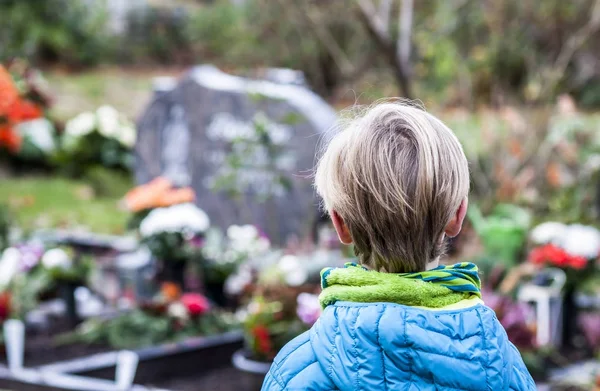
(341, 228)
(455, 225)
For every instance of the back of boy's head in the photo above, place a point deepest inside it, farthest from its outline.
(396, 175)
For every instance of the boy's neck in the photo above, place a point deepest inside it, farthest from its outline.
(433, 264)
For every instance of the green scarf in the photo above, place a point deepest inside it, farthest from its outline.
(439, 287)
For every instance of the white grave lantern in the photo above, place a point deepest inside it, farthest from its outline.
(14, 336)
(547, 301)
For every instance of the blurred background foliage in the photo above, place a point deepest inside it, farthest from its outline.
(463, 52)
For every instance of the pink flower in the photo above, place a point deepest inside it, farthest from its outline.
(308, 309)
(195, 303)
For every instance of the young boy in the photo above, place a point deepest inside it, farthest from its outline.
(395, 183)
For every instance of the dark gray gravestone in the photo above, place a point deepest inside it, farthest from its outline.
(189, 132)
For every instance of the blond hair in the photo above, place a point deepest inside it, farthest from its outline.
(397, 176)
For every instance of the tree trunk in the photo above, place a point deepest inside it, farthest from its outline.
(388, 49)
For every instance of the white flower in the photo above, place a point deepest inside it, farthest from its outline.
(39, 132)
(108, 121)
(292, 270)
(81, 125)
(246, 239)
(9, 265)
(262, 244)
(288, 263)
(127, 136)
(582, 241)
(550, 232)
(184, 218)
(177, 310)
(253, 308)
(241, 315)
(235, 283)
(242, 232)
(56, 258)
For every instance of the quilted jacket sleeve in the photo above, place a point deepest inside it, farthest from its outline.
(296, 368)
(521, 380)
(271, 384)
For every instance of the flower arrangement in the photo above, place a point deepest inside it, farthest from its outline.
(276, 313)
(102, 137)
(158, 193)
(169, 224)
(175, 233)
(224, 255)
(169, 317)
(269, 325)
(17, 105)
(30, 258)
(565, 246)
(28, 271)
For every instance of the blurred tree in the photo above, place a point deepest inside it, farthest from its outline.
(491, 51)
(396, 50)
(67, 31)
(457, 52)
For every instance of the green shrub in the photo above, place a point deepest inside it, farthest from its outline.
(156, 34)
(5, 222)
(66, 31)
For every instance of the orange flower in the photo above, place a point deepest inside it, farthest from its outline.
(13, 110)
(170, 291)
(177, 196)
(10, 139)
(22, 110)
(146, 196)
(553, 175)
(8, 90)
(157, 193)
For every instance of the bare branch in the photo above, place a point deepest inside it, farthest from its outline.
(385, 13)
(375, 21)
(573, 44)
(337, 53)
(404, 36)
(382, 38)
(313, 23)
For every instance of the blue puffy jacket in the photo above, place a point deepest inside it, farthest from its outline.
(385, 346)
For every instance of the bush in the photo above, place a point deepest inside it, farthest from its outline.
(5, 222)
(66, 31)
(157, 35)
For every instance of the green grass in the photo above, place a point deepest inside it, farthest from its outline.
(52, 202)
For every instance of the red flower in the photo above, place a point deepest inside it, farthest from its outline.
(263, 339)
(4, 306)
(551, 254)
(195, 303)
(556, 256)
(578, 262)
